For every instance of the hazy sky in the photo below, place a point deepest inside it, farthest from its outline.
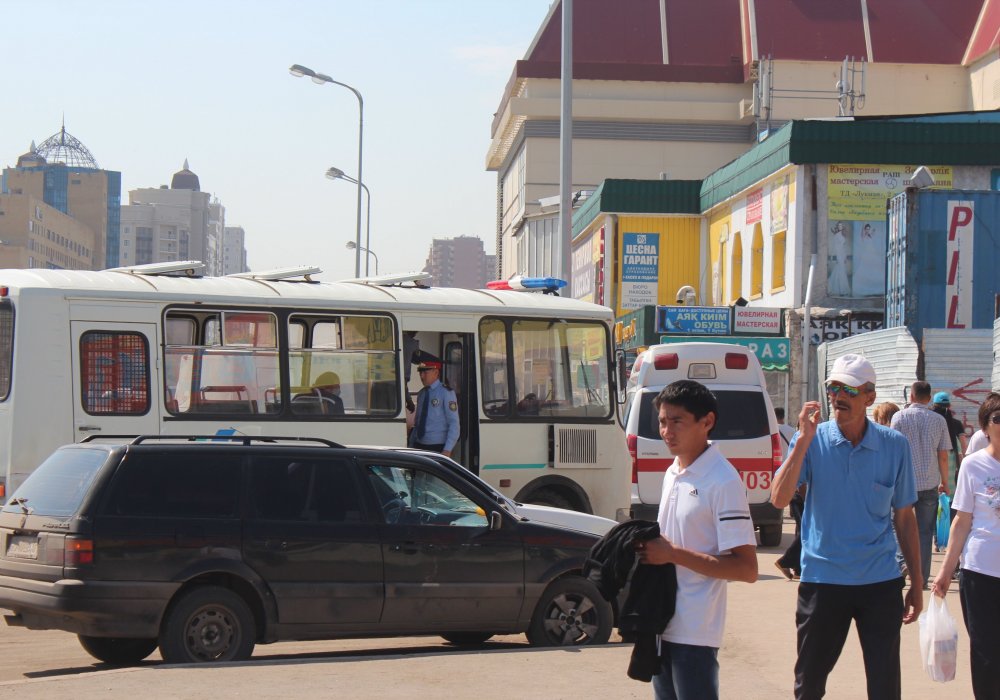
(145, 85)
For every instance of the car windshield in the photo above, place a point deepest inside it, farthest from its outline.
(742, 415)
(58, 486)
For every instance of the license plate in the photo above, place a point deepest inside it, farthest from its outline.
(23, 547)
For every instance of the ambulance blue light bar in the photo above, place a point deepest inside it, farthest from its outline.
(528, 284)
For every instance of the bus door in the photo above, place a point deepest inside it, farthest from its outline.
(116, 380)
(460, 374)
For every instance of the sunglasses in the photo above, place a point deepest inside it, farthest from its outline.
(835, 389)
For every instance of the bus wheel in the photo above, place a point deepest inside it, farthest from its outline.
(550, 497)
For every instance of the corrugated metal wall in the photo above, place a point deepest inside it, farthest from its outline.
(960, 361)
(893, 353)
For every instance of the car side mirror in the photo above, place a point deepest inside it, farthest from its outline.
(496, 520)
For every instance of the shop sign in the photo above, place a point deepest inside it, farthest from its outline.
(773, 353)
(693, 320)
(756, 320)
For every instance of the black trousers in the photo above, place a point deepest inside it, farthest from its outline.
(980, 596)
(792, 558)
(823, 617)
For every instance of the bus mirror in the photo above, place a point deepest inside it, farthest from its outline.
(621, 374)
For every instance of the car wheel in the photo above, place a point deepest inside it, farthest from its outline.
(209, 623)
(571, 612)
(466, 639)
(770, 535)
(118, 651)
(548, 497)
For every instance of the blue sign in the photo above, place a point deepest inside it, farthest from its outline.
(693, 320)
(640, 270)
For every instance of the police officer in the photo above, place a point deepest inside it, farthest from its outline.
(436, 422)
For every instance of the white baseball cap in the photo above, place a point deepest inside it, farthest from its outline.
(853, 370)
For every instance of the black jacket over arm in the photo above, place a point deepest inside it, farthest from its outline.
(652, 592)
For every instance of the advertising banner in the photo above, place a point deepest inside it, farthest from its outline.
(693, 320)
(779, 204)
(958, 283)
(640, 269)
(856, 242)
(755, 206)
(585, 269)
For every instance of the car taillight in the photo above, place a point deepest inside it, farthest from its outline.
(776, 459)
(735, 360)
(78, 551)
(667, 360)
(633, 452)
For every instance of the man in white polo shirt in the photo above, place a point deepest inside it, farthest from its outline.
(706, 532)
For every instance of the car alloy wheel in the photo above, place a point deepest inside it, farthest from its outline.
(571, 612)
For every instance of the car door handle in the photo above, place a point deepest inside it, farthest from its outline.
(408, 547)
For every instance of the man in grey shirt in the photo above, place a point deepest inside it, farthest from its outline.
(927, 433)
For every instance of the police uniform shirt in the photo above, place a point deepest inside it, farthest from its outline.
(441, 427)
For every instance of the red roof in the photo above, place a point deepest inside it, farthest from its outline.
(623, 40)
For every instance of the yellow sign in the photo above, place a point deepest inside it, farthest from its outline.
(859, 192)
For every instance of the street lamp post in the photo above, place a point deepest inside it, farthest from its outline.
(338, 174)
(320, 78)
(351, 245)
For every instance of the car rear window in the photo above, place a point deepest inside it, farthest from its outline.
(175, 484)
(742, 415)
(58, 486)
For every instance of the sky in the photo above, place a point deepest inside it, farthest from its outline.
(145, 86)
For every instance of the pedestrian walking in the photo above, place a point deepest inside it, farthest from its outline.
(706, 532)
(927, 433)
(860, 484)
(883, 413)
(436, 426)
(975, 536)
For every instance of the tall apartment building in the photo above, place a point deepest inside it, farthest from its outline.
(234, 251)
(35, 235)
(459, 262)
(63, 174)
(176, 223)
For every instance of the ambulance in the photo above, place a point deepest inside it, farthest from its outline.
(746, 431)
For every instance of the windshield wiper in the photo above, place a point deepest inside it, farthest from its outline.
(23, 503)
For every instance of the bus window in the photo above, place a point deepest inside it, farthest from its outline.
(6, 349)
(351, 357)
(493, 358)
(225, 363)
(114, 369)
(559, 369)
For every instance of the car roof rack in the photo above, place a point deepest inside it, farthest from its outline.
(245, 439)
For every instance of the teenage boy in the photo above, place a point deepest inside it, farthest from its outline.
(706, 532)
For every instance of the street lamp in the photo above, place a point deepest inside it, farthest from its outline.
(351, 245)
(320, 78)
(338, 174)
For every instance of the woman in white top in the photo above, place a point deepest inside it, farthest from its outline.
(975, 535)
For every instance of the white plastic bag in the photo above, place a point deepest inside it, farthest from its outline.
(938, 641)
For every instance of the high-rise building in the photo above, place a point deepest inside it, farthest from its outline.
(459, 262)
(63, 174)
(176, 223)
(234, 251)
(35, 235)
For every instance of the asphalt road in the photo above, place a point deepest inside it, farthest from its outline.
(756, 660)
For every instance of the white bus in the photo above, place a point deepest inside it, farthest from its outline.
(151, 350)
